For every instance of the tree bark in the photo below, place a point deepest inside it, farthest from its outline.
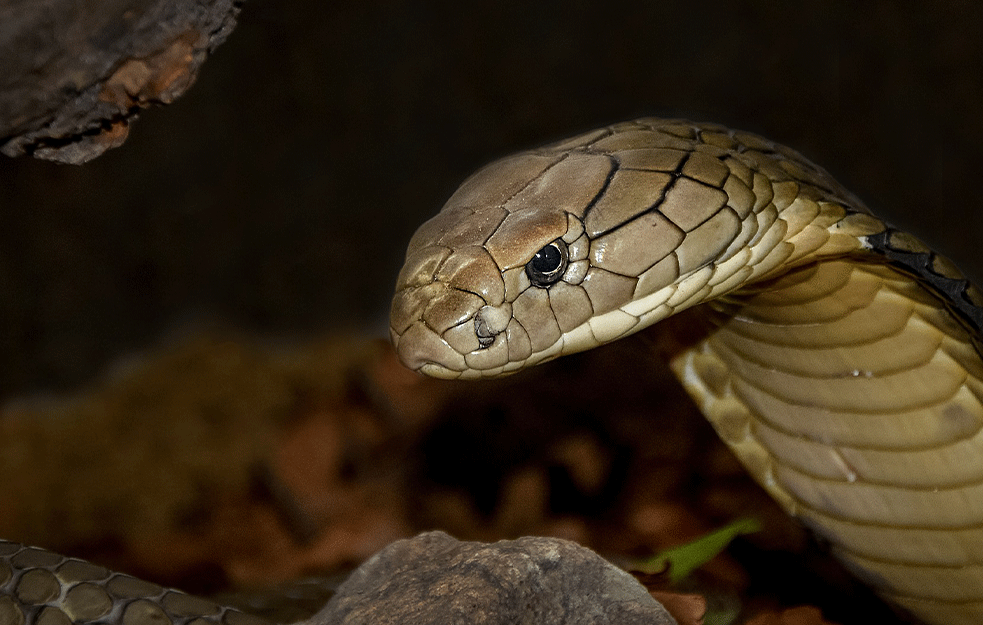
(75, 73)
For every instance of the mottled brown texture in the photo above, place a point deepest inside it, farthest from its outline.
(521, 457)
(433, 579)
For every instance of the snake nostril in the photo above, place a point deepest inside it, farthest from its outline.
(486, 336)
(489, 322)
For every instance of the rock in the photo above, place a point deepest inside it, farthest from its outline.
(436, 579)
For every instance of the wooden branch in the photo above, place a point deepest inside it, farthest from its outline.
(75, 73)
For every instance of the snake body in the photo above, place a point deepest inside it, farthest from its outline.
(839, 358)
(39, 587)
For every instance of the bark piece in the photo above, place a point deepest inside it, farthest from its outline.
(75, 73)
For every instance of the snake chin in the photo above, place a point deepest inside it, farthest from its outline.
(435, 370)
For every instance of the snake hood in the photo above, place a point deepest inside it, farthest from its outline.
(556, 250)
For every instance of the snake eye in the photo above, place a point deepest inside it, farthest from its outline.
(547, 266)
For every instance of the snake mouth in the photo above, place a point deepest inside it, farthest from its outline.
(437, 370)
(422, 349)
(446, 332)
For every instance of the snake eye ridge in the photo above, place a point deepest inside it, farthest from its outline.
(548, 264)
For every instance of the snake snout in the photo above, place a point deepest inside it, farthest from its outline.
(449, 316)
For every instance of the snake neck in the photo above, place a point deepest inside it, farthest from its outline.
(798, 226)
(854, 399)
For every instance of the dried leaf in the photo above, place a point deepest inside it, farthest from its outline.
(686, 608)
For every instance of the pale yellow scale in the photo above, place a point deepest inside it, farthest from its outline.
(855, 400)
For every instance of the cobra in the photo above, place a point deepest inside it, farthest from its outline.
(837, 357)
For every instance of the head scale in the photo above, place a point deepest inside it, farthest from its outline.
(556, 250)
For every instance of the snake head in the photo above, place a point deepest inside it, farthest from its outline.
(472, 299)
(556, 250)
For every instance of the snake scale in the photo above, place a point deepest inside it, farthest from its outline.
(839, 358)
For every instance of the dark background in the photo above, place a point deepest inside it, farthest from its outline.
(278, 194)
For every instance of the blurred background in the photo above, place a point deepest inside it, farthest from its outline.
(205, 300)
(279, 193)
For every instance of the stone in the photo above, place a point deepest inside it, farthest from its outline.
(435, 579)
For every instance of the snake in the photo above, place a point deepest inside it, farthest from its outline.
(837, 356)
(41, 587)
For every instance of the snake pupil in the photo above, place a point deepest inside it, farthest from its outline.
(547, 259)
(548, 264)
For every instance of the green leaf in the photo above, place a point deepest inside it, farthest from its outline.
(684, 559)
